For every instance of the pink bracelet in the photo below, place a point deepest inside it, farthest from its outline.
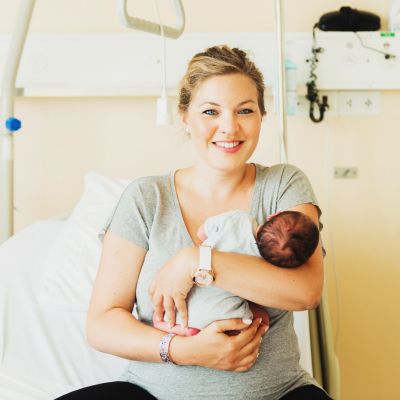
(164, 348)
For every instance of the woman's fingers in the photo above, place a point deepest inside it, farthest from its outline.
(169, 308)
(247, 334)
(172, 283)
(248, 342)
(231, 353)
(164, 309)
(230, 325)
(248, 361)
(173, 304)
(256, 334)
(158, 307)
(181, 307)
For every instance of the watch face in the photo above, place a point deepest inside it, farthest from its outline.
(202, 277)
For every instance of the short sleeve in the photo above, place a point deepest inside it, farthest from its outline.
(283, 186)
(294, 189)
(132, 217)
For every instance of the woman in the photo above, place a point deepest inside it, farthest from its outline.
(151, 253)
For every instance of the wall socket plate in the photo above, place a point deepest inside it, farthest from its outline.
(344, 102)
(358, 102)
(345, 172)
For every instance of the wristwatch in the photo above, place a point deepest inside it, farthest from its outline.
(204, 274)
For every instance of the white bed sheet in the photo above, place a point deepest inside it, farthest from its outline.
(43, 352)
(40, 344)
(26, 387)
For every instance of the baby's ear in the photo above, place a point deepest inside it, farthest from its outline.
(273, 215)
(256, 227)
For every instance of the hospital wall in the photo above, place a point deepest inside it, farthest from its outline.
(63, 138)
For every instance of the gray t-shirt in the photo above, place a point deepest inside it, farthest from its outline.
(148, 215)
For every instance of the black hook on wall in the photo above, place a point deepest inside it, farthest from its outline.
(312, 90)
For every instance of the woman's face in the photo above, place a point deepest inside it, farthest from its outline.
(224, 120)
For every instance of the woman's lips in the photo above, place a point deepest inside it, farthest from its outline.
(228, 146)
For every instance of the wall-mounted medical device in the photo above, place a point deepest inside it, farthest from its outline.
(346, 19)
(349, 19)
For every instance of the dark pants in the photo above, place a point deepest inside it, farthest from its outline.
(125, 390)
(309, 392)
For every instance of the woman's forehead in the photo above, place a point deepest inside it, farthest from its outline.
(235, 87)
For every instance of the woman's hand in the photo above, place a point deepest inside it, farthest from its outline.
(171, 285)
(214, 349)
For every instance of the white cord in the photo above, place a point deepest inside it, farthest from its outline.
(164, 116)
(164, 53)
(328, 190)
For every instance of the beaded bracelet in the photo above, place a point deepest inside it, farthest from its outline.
(164, 348)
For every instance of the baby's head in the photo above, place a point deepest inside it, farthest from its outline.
(287, 239)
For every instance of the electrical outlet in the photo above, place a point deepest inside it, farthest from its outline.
(361, 102)
(346, 172)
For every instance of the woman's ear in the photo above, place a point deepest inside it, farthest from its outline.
(183, 117)
(185, 124)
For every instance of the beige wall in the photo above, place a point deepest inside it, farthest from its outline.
(64, 138)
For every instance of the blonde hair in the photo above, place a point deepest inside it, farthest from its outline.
(218, 60)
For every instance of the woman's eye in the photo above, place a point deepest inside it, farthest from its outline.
(245, 111)
(210, 112)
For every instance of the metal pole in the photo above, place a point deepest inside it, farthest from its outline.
(279, 30)
(16, 48)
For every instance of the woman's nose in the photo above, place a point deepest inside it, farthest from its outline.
(228, 124)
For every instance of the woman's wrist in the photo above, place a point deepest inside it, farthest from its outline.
(181, 350)
(190, 259)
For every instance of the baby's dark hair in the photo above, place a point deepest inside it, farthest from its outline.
(288, 239)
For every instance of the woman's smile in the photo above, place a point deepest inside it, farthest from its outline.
(228, 146)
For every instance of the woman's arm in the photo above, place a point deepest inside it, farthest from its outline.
(111, 327)
(256, 280)
(249, 277)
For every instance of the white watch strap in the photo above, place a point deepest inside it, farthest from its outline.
(205, 257)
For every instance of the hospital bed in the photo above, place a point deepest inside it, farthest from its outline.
(46, 274)
(47, 270)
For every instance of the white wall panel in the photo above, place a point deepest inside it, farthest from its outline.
(130, 64)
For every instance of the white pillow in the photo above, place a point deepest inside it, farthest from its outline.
(71, 265)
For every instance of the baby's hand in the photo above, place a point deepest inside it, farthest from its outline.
(201, 233)
(177, 329)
